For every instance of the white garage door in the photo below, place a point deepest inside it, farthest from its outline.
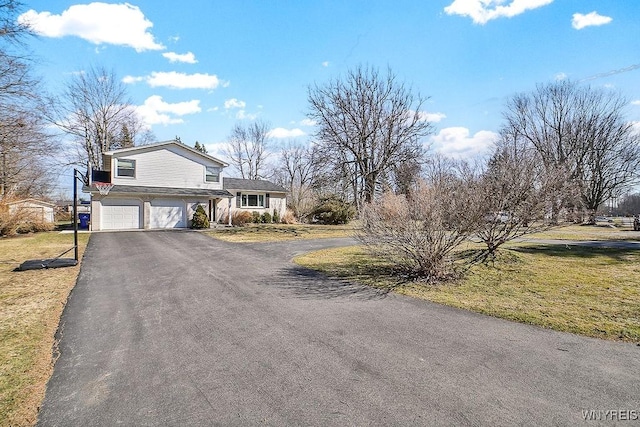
(167, 213)
(120, 214)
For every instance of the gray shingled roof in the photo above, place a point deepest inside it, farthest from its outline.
(162, 191)
(251, 185)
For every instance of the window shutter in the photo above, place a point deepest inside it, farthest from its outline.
(238, 199)
(266, 200)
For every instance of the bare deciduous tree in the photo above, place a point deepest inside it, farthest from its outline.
(630, 205)
(514, 194)
(25, 154)
(296, 173)
(247, 149)
(25, 148)
(94, 110)
(367, 124)
(580, 130)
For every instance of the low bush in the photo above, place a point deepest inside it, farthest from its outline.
(21, 222)
(266, 218)
(276, 217)
(333, 210)
(288, 217)
(241, 218)
(200, 220)
(256, 218)
(419, 234)
(63, 216)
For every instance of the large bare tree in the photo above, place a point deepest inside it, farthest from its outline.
(247, 149)
(580, 130)
(25, 148)
(96, 112)
(368, 123)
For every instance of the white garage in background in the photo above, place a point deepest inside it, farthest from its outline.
(120, 214)
(167, 213)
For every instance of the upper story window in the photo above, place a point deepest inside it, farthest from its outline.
(212, 174)
(126, 168)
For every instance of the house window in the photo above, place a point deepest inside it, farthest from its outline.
(212, 174)
(126, 168)
(253, 201)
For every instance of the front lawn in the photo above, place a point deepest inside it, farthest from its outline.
(588, 291)
(588, 232)
(31, 303)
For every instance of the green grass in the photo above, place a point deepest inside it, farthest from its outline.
(280, 232)
(31, 304)
(588, 291)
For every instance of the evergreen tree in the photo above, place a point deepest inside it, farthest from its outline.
(200, 147)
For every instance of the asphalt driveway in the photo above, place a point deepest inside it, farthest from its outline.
(176, 328)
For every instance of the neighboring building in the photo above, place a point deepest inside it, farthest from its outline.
(34, 209)
(160, 186)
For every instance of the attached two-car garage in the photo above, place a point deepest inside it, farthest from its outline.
(127, 214)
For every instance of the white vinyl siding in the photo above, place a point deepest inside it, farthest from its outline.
(120, 214)
(167, 213)
(169, 166)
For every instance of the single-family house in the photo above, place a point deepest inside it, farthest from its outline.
(33, 209)
(160, 186)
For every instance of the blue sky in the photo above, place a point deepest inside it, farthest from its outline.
(197, 67)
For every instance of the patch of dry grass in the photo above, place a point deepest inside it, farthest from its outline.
(31, 303)
(588, 232)
(280, 232)
(588, 291)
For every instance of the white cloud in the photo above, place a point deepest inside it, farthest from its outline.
(308, 122)
(325, 64)
(156, 111)
(132, 79)
(174, 80)
(188, 57)
(285, 133)
(637, 102)
(242, 114)
(561, 76)
(457, 142)
(482, 11)
(234, 103)
(217, 149)
(98, 23)
(592, 19)
(431, 117)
